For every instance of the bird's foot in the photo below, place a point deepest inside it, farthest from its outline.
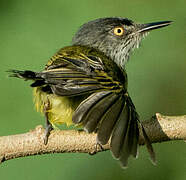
(98, 148)
(48, 127)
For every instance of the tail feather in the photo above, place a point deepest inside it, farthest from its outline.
(27, 75)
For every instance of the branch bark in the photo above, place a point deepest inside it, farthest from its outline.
(159, 128)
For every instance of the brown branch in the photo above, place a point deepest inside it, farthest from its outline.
(159, 128)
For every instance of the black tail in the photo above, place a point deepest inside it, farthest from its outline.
(28, 75)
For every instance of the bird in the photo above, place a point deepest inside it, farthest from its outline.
(85, 84)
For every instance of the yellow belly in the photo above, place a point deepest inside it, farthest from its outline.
(60, 109)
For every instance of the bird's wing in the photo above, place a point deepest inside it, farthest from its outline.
(108, 110)
(73, 77)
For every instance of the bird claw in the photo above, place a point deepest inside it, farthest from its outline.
(98, 148)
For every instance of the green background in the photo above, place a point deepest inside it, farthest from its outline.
(32, 31)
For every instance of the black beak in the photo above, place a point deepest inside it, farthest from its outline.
(151, 26)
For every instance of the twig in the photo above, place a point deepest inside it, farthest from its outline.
(159, 128)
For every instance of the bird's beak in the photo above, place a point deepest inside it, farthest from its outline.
(155, 25)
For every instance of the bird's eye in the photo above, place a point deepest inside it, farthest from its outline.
(118, 31)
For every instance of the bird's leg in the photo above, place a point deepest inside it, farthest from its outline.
(48, 127)
(97, 147)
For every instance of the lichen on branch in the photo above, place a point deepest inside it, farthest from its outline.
(159, 128)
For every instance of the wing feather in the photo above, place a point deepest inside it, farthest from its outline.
(74, 77)
(95, 114)
(85, 106)
(119, 132)
(108, 122)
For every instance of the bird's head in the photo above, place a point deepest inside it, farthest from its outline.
(114, 36)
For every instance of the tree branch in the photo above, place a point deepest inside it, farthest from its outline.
(159, 128)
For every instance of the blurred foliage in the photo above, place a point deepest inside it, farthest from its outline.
(32, 31)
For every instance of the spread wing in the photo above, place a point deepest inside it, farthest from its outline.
(108, 109)
(73, 77)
